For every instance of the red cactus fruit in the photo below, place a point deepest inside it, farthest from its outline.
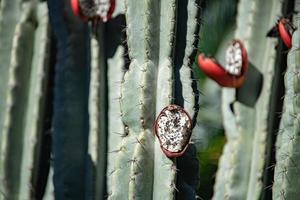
(285, 29)
(102, 10)
(110, 12)
(233, 74)
(173, 128)
(77, 10)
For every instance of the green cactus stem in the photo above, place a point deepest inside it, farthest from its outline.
(21, 133)
(139, 159)
(286, 177)
(242, 165)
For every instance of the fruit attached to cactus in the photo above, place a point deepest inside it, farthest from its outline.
(283, 29)
(173, 127)
(233, 74)
(93, 9)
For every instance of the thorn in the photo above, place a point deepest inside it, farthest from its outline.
(112, 172)
(173, 186)
(121, 134)
(117, 150)
(140, 142)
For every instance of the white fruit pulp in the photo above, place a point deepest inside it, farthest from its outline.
(173, 129)
(234, 59)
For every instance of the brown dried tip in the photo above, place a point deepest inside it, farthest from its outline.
(173, 127)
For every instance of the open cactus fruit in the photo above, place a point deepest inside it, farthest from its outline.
(283, 29)
(286, 30)
(234, 71)
(173, 127)
(102, 99)
(93, 10)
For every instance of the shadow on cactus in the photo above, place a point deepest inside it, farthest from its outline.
(250, 91)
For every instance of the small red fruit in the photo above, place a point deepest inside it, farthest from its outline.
(77, 10)
(100, 10)
(233, 74)
(173, 128)
(285, 29)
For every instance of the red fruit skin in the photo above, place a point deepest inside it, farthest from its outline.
(214, 70)
(77, 10)
(111, 9)
(170, 154)
(284, 34)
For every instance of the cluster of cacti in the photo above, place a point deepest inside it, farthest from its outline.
(98, 100)
(110, 83)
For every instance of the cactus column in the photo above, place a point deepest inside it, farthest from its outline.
(71, 93)
(287, 172)
(161, 49)
(22, 128)
(247, 127)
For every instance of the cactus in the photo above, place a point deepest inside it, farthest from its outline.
(123, 138)
(246, 115)
(25, 95)
(115, 89)
(138, 153)
(70, 117)
(286, 177)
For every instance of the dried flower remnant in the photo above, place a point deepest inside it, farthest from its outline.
(173, 127)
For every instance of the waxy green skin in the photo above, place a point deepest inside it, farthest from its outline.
(104, 110)
(122, 149)
(24, 70)
(249, 128)
(103, 113)
(286, 176)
